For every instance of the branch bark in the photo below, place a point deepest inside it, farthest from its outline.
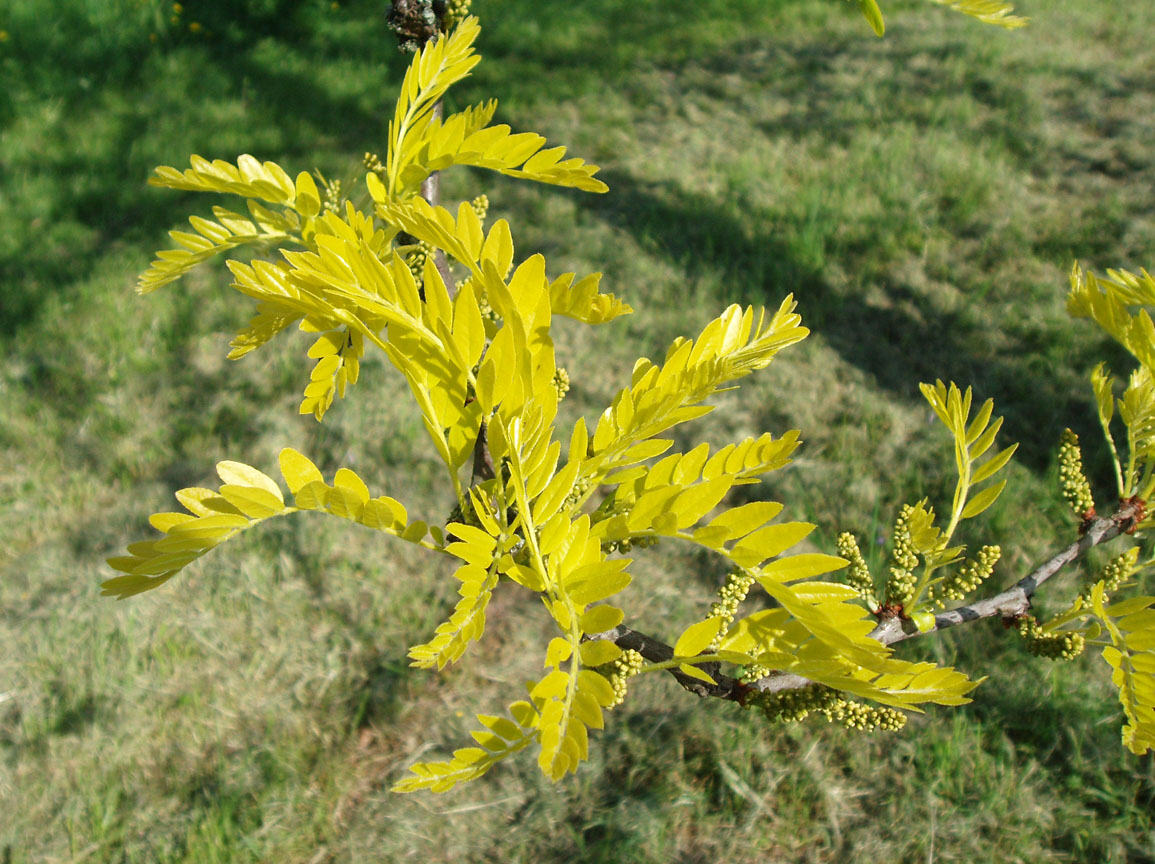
(1009, 604)
(1016, 600)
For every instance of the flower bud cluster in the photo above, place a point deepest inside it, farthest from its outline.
(730, 597)
(967, 578)
(901, 582)
(625, 667)
(792, 706)
(1055, 645)
(580, 487)
(753, 673)
(561, 382)
(1113, 574)
(415, 260)
(480, 206)
(455, 12)
(865, 718)
(1076, 488)
(333, 197)
(487, 311)
(372, 162)
(858, 575)
(628, 544)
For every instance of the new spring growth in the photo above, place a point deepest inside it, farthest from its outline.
(865, 718)
(1054, 645)
(857, 574)
(753, 673)
(1076, 488)
(333, 197)
(901, 582)
(626, 667)
(456, 11)
(793, 706)
(415, 260)
(1113, 574)
(967, 578)
(730, 597)
(418, 253)
(372, 162)
(480, 206)
(561, 382)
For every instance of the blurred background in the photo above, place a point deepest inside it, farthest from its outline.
(923, 196)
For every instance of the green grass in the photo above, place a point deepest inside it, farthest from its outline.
(922, 196)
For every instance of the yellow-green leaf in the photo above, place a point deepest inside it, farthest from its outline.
(695, 672)
(804, 566)
(769, 541)
(604, 580)
(989, 468)
(297, 469)
(697, 637)
(599, 652)
(239, 474)
(983, 500)
(873, 15)
(254, 503)
(599, 619)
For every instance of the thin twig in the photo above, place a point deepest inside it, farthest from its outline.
(1012, 603)
(1016, 600)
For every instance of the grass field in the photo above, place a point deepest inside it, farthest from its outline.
(923, 196)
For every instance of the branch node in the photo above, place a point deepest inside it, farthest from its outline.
(1131, 512)
(1087, 519)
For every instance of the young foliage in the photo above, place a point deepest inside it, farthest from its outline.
(1126, 633)
(246, 498)
(1111, 303)
(469, 327)
(918, 541)
(996, 12)
(1131, 656)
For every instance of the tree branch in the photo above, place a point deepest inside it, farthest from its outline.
(1012, 603)
(1016, 600)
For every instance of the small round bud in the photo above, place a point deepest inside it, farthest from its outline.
(968, 577)
(901, 581)
(625, 667)
(372, 162)
(858, 574)
(1114, 573)
(1076, 488)
(333, 198)
(480, 206)
(561, 382)
(730, 597)
(1053, 644)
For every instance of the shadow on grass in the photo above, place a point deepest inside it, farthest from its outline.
(85, 192)
(900, 345)
(92, 113)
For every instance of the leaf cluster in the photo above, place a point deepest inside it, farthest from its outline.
(549, 510)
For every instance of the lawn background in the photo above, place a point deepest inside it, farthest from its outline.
(922, 196)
